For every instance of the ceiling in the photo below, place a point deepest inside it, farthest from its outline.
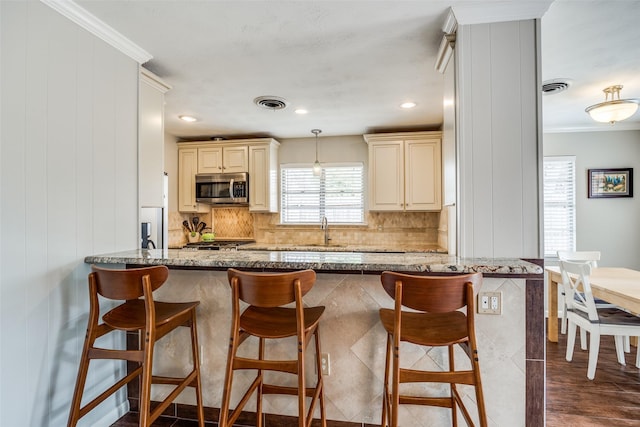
(352, 63)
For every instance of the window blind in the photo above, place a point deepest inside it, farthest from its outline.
(338, 194)
(559, 204)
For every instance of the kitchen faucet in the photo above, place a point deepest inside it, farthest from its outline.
(324, 225)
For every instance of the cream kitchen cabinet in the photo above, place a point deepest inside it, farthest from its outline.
(258, 157)
(223, 159)
(187, 169)
(263, 176)
(405, 171)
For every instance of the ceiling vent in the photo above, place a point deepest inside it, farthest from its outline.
(551, 87)
(271, 102)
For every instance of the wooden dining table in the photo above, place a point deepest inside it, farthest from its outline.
(619, 286)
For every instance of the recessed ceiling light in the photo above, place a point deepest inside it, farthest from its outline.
(447, 102)
(301, 111)
(408, 105)
(188, 118)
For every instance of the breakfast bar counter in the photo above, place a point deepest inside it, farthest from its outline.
(355, 262)
(511, 345)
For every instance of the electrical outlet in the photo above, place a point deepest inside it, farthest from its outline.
(490, 302)
(325, 362)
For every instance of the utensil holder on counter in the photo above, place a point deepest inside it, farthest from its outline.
(193, 239)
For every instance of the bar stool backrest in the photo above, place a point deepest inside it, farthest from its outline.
(270, 289)
(433, 294)
(127, 284)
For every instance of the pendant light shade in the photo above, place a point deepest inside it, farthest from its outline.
(614, 109)
(317, 167)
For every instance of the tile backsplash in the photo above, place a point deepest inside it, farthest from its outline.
(381, 228)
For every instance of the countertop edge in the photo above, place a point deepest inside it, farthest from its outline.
(321, 261)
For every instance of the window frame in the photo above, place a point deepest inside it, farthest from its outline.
(570, 205)
(322, 193)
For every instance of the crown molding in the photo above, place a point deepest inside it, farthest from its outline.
(487, 12)
(98, 28)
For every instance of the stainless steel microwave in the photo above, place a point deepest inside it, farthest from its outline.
(222, 188)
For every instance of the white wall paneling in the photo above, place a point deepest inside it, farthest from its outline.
(498, 103)
(68, 188)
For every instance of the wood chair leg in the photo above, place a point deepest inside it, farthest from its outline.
(228, 378)
(145, 389)
(319, 376)
(302, 413)
(395, 388)
(385, 391)
(196, 366)
(452, 367)
(81, 380)
(259, 394)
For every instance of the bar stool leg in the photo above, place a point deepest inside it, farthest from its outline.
(452, 386)
(145, 389)
(228, 378)
(302, 416)
(320, 383)
(259, 391)
(386, 410)
(196, 366)
(74, 416)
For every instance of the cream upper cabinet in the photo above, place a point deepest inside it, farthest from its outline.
(151, 139)
(263, 176)
(187, 169)
(258, 157)
(223, 159)
(405, 171)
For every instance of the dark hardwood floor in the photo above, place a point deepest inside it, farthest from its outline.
(611, 399)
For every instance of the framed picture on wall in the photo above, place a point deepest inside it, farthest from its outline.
(607, 183)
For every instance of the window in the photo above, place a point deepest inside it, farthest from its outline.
(559, 204)
(337, 194)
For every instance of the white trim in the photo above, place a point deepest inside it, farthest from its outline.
(99, 29)
(153, 80)
(113, 415)
(450, 23)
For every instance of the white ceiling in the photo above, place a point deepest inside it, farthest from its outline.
(352, 63)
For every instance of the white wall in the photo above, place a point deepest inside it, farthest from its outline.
(498, 83)
(68, 188)
(608, 225)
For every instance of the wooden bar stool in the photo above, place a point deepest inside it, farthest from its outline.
(434, 321)
(265, 318)
(153, 320)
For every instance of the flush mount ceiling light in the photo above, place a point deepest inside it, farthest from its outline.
(317, 167)
(407, 105)
(614, 109)
(189, 119)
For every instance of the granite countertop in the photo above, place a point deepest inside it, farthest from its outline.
(316, 260)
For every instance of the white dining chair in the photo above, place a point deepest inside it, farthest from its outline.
(592, 257)
(582, 312)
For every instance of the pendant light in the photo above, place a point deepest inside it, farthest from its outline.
(317, 167)
(614, 109)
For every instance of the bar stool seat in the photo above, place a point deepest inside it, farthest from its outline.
(265, 318)
(433, 320)
(153, 320)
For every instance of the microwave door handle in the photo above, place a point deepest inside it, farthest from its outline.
(231, 190)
